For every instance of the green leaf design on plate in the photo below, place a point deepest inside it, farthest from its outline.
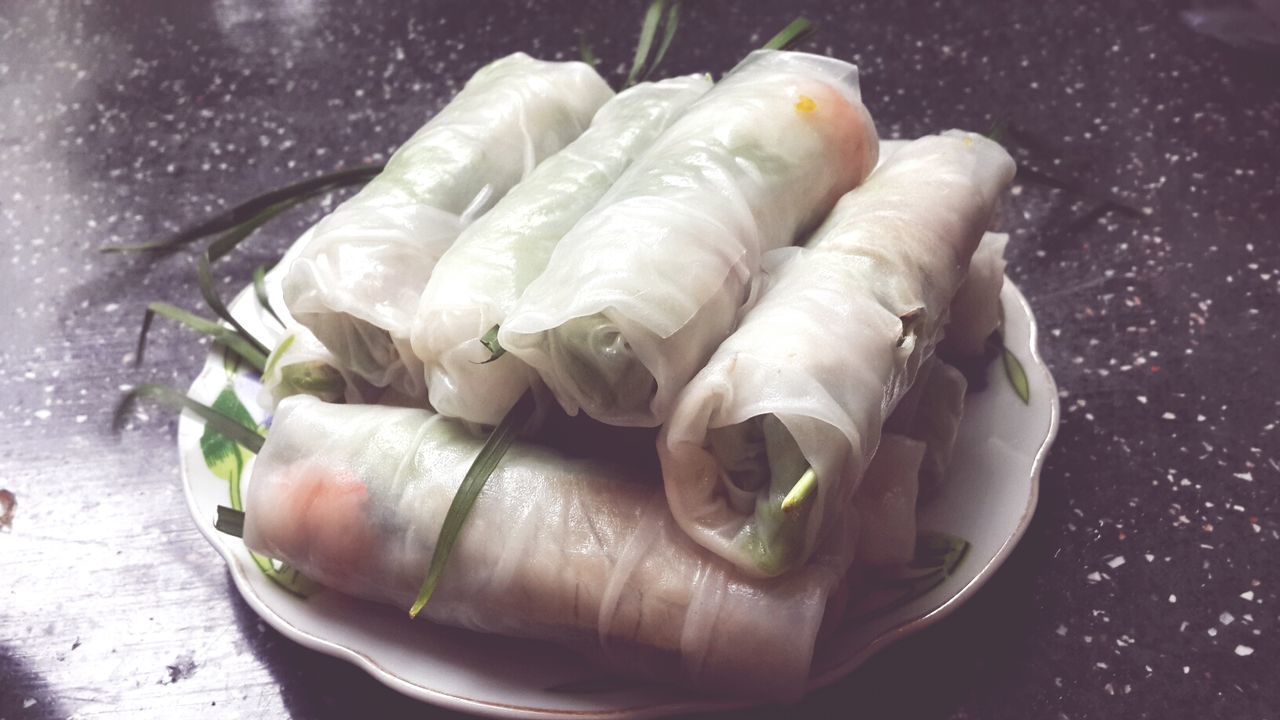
(1017, 376)
(226, 459)
(223, 456)
(936, 558)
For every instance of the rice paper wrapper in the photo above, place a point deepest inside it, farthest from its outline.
(637, 296)
(482, 275)
(833, 344)
(976, 311)
(576, 552)
(357, 281)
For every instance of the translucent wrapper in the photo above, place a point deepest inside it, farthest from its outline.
(356, 283)
(301, 365)
(975, 311)
(931, 412)
(886, 502)
(823, 358)
(576, 552)
(482, 275)
(639, 293)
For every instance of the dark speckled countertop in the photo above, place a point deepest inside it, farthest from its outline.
(1148, 583)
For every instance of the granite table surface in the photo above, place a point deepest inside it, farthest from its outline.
(1148, 584)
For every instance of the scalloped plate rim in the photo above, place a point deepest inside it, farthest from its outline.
(189, 423)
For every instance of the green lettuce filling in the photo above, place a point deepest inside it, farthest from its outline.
(760, 456)
(602, 365)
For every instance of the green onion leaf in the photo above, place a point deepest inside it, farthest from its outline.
(204, 278)
(481, 468)
(1017, 376)
(490, 342)
(584, 50)
(276, 354)
(668, 34)
(648, 29)
(249, 210)
(801, 491)
(228, 241)
(216, 419)
(229, 521)
(260, 289)
(252, 353)
(997, 130)
(797, 30)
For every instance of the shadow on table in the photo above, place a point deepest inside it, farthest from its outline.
(315, 685)
(23, 690)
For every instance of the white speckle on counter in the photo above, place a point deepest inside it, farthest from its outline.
(1226, 618)
(1246, 595)
(1245, 476)
(1116, 561)
(1244, 650)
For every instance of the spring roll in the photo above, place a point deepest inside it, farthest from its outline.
(931, 412)
(482, 275)
(975, 311)
(356, 282)
(638, 294)
(578, 552)
(886, 502)
(301, 365)
(770, 440)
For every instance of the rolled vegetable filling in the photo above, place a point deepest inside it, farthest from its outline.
(639, 293)
(579, 552)
(482, 275)
(823, 358)
(357, 280)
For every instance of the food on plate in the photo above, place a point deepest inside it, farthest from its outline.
(483, 273)
(975, 311)
(931, 412)
(768, 443)
(356, 281)
(301, 365)
(579, 552)
(640, 292)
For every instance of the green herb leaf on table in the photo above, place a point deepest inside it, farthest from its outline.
(660, 14)
(584, 50)
(260, 290)
(668, 34)
(477, 475)
(204, 278)
(253, 211)
(796, 31)
(252, 353)
(232, 427)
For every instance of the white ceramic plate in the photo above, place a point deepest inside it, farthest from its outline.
(988, 499)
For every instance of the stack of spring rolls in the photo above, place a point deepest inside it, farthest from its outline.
(727, 263)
